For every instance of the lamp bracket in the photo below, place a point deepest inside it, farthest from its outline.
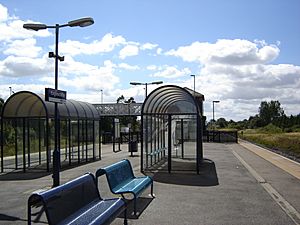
(60, 58)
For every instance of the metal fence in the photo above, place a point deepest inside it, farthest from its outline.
(220, 136)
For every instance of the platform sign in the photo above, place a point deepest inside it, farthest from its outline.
(53, 95)
(117, 128)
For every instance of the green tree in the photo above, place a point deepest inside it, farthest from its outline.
(121, 99)
(270, 111)
(221, 123)
(255, 122)
(125, 120)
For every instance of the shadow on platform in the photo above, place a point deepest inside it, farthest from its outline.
(142, 204)
(38, 171)
(20, 175)
(4, 217)
(184, 173)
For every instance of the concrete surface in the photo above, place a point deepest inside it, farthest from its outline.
(226, 192)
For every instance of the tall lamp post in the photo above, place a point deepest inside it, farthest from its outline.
(146, 85)
(194, 76)
(101, 96)
(214, 113)
(83, 22)
(11, 91)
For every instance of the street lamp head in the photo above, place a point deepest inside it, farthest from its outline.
(136, 83)
(193, 75)
(35, 26)
(216, 101)
(83, 22)
(156, 82)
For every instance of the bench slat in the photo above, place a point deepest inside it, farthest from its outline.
(109, 208)
(136, 185)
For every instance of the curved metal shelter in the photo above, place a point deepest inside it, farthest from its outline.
(28, 104)
(171, 117)
(30, 119)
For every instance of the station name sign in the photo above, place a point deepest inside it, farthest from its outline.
(53, 95)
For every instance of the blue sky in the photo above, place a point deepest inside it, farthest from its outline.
(243, 52)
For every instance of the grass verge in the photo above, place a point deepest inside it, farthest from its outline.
(287, 143)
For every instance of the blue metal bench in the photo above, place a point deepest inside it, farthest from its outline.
(121, 180)
(77, 202)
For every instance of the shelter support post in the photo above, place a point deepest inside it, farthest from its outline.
(182, 140)
(70, 144)
(151, 141)
(66, 140)
(16, 143)
(24, 145)
(83, 138)
(155, 133)
(146, 139)
(142, 143)
(114, 135)
(169, 142)
(93, 133)
(28, 142)
(164, 136)
(2, 157)
(86, 140)
(47, 144)
(199, 143)
(100, 138)
(78, 139)
(158, 135)
(40, 142)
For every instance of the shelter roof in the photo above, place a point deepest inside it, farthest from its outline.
(28, 104)
(171, 99)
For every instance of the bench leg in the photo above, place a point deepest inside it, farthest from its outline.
(135, 200)
(29, 214)
(152, 194)
(125, 216)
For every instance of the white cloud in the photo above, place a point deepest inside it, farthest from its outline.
(128, 50)
(151, 67)
(107, 44)
(11, 27)
(87, 77)
(242, 88)
(128, 67)
(230, 52)
(148, 46)
(15, 66)
(238, 73)
(5, 92)
(171, 72)
(25, 48)
(159, 51)
(3, 13)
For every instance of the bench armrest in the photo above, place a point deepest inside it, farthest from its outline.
(100, 172)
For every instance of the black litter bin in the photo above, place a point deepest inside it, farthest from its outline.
(132, 146)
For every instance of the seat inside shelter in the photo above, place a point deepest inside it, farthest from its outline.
(27, 128)
(172, 130)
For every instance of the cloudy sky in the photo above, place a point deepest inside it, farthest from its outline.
(242, 52)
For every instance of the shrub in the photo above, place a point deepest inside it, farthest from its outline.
(270, 129)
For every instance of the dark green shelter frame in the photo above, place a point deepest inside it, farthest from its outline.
(156, 121)
(26, 111)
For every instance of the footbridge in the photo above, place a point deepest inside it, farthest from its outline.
(119, 109)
